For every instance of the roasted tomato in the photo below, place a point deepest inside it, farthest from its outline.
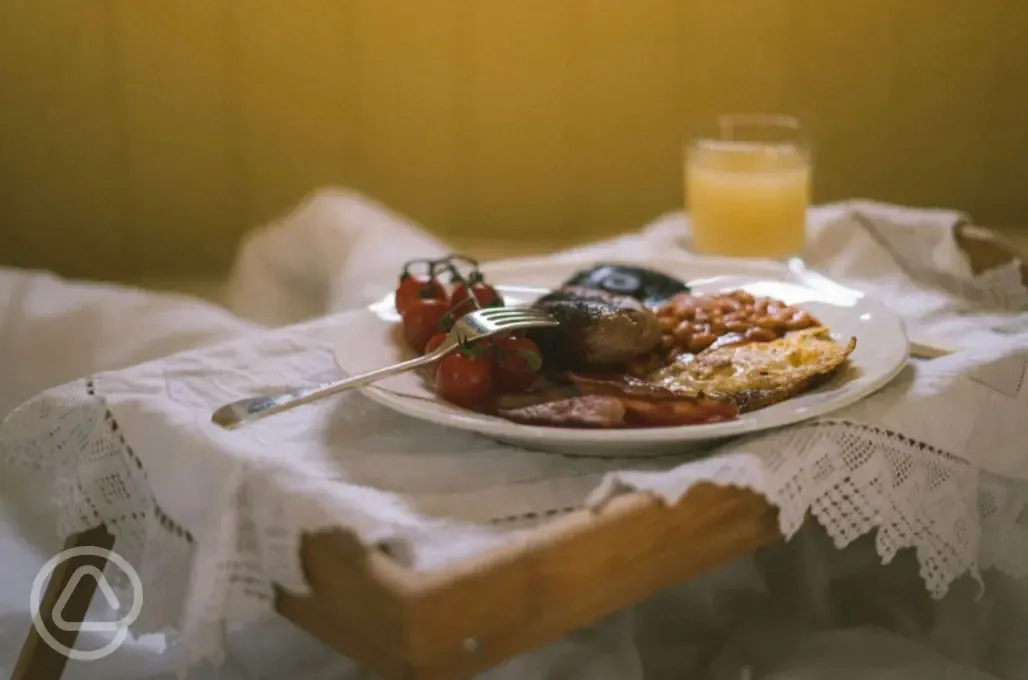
(416, 287)
(518, 361)
(465, 377)
(423, 320)
(460, 301)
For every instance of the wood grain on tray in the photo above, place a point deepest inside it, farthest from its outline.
(566, 574)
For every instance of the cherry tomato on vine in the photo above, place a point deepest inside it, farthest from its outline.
(431, 346)
(465, 377)
(460, 301)
(518, 361)
(422, 320)
(414, 287)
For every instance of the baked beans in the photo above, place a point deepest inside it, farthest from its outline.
(692, 323)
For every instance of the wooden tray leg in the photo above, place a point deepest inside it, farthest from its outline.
(38, 660)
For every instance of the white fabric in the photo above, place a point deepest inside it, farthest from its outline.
(337, 250)
(924, 461)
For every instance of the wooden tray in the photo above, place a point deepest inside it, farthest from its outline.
(568, 574)
(453, 623)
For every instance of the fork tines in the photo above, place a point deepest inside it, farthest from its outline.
(496, 312)
(505, 316)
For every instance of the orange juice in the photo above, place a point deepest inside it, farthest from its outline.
(747, 199)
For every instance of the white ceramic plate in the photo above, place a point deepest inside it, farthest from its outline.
(882, 350)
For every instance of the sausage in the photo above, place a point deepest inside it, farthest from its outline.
(596, 327)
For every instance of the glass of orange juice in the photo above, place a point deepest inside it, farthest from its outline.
(747, 187)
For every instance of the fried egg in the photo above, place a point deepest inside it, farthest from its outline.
(756, 375)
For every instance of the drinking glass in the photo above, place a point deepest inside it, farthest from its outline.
(747, 187)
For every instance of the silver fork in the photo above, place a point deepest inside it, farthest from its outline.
(476, 325)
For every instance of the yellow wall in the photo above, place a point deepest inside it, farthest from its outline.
(143, 136)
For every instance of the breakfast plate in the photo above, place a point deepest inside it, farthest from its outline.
(373, 339)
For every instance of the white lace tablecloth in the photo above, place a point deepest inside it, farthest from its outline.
(211, 519)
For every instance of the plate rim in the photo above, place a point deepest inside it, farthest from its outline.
(495, 426)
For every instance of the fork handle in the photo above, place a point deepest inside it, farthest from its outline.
(247, 410)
